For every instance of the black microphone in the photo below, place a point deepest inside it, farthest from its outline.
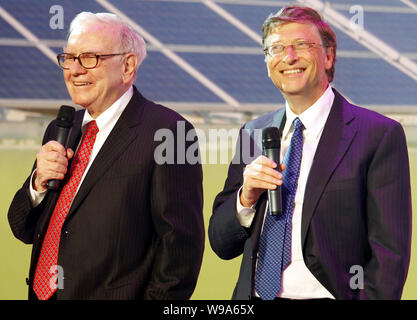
(271, 146)
(64, 123)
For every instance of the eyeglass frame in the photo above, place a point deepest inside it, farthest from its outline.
(267, 51)
(97, 56)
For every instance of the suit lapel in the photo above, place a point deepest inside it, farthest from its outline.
(117, 141)
(336, 138)
(75, 134)
(73, 140)
(277, 120)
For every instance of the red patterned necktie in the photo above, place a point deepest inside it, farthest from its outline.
(45, 276)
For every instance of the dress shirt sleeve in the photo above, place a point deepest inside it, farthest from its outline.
(35, 196)
(245, 215)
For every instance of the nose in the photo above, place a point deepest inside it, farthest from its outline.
(291, 55)
(77, 68)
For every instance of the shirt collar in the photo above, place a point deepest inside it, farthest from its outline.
(314, 117)
(111, 114)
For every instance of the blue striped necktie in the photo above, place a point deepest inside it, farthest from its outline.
(274, 253)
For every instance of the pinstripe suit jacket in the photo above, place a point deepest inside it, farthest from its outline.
(135, 228)
(356, 211)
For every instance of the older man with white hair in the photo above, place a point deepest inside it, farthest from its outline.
(122, 225)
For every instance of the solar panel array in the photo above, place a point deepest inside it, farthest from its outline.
(229, 63)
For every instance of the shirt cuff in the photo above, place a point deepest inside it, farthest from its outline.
(35, 196)
(244, 215)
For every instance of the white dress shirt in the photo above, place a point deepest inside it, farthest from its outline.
(105, 123)
(297, 281)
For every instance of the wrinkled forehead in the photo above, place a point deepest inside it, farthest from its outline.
(287, 32)
(98, 38)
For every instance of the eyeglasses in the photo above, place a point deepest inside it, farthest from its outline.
(87, 60)
(279, 49)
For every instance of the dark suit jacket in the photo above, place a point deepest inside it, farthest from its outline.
(356, 211)
(135, 228)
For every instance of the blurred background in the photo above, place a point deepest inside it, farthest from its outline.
(205, 60)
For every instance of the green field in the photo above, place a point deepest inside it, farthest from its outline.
(217, 277)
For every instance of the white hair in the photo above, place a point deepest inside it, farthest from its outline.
(130, 40)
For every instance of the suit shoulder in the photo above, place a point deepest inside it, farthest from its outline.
(362, 116)
(375, 126)
(372, 118)
(162, 115)
(265, 119)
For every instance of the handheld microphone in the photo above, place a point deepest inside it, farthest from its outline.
(271, 146)
(64, 123)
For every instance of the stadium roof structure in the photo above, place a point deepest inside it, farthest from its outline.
(206, 56)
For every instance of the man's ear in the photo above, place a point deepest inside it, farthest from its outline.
(329, 52)
(129, 67)
(267, 68)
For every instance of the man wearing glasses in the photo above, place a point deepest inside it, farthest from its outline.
(122, 226)
(345, 229)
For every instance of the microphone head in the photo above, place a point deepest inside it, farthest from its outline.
(271, 138)
(65, 117)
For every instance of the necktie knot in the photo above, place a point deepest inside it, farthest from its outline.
(91, 128)
(298, 125)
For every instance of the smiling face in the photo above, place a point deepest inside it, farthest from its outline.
(95, 89)
(301, 76)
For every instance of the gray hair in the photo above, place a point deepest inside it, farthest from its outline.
(130, 40)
